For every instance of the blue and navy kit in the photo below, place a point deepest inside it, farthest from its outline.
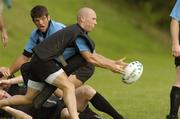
(36, 36)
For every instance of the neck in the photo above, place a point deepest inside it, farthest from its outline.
(82, 26)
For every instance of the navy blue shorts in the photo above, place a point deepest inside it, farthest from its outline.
(39, 70)
(177, 61)
(84, 73)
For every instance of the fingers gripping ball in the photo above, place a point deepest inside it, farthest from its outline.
(132, 72)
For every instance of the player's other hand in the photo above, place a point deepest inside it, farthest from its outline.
(118, 69)
(5, 71)
(176, 50)
(4, 37)
(121, 62)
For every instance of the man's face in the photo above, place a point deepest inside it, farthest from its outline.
(42, 23)
(90, 21)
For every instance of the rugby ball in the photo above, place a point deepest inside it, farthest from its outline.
(132, 72)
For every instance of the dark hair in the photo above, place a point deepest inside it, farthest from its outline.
(38, 11)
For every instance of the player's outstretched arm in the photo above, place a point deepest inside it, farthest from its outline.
(103, 62)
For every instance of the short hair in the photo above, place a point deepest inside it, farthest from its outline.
(38, 11)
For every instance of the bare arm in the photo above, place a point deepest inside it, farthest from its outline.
(174, 29)
(4, 36)
(16, 113)
(11, 81)
(18, 63)
(103, 62)
(15, 66)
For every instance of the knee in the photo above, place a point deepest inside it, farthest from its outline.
(65, 114)
(69, 86)
(64, 84)
(88, 91)
(28, 99)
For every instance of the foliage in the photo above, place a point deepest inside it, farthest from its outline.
(157, 11)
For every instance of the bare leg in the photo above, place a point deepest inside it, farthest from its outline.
(16, 113)
(20, 99)
(82, 98)
(86, 93)
(77, 83)
(83, 94)
(64, 114)
(68, 94)
(177, 81)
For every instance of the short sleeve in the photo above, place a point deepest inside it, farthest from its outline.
(175, 13)
(82, 44)
(31, 43)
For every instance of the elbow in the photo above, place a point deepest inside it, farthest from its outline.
(91, 59)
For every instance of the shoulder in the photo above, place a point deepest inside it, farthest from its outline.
(57, 24)
(177, 4)
(34, 33)
(82, 44)
(54, 27)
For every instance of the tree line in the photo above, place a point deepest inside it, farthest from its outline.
(159, 10)
(154, 11)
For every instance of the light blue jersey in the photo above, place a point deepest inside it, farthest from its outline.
(175, 13)
(82, 46)
(37, 37)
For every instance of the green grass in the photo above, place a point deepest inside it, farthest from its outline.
(117, 34)
(148, 98)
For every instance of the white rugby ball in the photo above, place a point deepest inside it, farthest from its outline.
(132, 72)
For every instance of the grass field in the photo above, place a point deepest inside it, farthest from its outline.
(118, 34)
(148, 98)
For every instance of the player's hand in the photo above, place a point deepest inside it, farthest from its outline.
(176, 50)
(4, 37)
(5, 71)
(118, 69)
(121, 62)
